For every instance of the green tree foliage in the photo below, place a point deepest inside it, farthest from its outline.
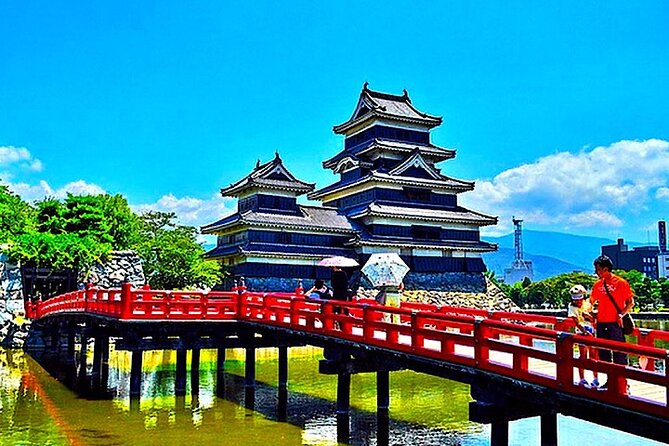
(553, 291)
(16, 216)
(650, 294)
(647, 292)
(58, 251)
(172, 256)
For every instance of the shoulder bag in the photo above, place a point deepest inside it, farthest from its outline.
(628, 322)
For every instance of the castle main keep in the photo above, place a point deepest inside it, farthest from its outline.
(390, 197)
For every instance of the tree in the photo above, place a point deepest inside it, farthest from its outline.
(58, 251)
(16, 216)
(172, 256)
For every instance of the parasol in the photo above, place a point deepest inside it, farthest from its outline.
(340, 261)
(385, 269)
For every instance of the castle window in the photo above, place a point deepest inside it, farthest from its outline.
(417, 194)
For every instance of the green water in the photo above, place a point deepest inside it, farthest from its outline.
(35, 409)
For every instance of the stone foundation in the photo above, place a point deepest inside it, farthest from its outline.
(13, 324)
(472, 290)
(492, 299)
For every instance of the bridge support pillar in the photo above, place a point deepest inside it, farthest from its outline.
(180, 381)
(250, 378)
(549, 430)
(220, 372)
(382, 407)
(101, 343)
(100, 364)
(135, 377)
(70, 358)
(195, 372)
(499, 433)
(83, 361)
(343, 406)
(282, 414)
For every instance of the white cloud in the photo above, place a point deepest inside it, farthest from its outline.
(662, 193)
(598, 187)
(594, 218)
(19, 156)
(43, 189)
(191, 211)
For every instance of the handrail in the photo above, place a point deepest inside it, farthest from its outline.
(467, 336)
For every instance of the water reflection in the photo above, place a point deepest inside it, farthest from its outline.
(37, 409)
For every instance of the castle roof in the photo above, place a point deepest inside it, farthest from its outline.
(374, 104)
(272, 175)
(366, 239)
(428, 151)
(274, 250)
(459, 215)
(375, 177)
(311, 218)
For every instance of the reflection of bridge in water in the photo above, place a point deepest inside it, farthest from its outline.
(517, 365)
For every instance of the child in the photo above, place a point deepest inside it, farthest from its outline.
(319, 290)
(580, 310)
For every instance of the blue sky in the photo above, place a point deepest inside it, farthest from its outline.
(558, 110)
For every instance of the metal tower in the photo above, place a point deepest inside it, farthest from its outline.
(518, 242)
(520, 268)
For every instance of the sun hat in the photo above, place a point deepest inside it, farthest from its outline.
(577, 292)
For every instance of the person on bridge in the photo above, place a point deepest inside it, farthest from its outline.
(339, 283)
(319, 290)
(580, 310)
(609, 319)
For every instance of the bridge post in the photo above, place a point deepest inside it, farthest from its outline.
(135, 376)
(70, 357)
(549, 429)
(282, 414)
(382, 406)
(104, 363)
(180, 381)
(220, 372)
(83, 359)
(343, 406)
(499, 433)
(250, 374)
(97, 361)
(126, 300)
(195, 371)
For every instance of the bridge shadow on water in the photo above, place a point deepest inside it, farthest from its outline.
(316, 417)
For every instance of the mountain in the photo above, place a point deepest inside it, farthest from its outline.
(578, 250)
(551, 253)
(544, 266)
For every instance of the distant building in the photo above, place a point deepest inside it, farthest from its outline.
(390, 197)
(642, 258)
(520, 269)
(663, 256)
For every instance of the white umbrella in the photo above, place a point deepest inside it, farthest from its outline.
(385, 269)
(340, 261)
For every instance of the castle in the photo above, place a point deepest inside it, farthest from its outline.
(390, 197)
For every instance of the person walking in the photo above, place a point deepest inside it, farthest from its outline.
(616, 299)
(580, 310)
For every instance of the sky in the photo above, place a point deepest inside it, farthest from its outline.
(558, 110)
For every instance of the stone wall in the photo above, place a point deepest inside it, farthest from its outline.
(464, 290)
(493, 298)
(13, 324)
(122, 266)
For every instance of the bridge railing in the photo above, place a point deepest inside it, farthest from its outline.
(533, 348)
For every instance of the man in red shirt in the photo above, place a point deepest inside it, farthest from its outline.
(609, 318)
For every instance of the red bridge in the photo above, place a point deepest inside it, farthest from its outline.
(518, 365)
